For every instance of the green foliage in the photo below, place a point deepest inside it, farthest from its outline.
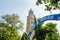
(8, 29)
(8, 33)
(49, 32)
(40, 33)
(52, 35)
(24, 37)
(12, 20)
(50, 4)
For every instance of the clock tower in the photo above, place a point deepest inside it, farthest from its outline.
(30, 21)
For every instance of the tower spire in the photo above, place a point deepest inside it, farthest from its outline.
(31, 11)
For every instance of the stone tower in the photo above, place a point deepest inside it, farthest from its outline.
(30, 22)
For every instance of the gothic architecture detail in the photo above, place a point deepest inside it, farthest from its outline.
(30, 22)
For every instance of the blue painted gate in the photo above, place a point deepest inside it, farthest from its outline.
(46, 18)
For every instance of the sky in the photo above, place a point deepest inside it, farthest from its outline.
(22, 7)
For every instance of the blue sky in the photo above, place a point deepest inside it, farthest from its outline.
(22, 7)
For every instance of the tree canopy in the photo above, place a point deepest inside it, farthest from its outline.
(13, 20)
(53, 32)
(50, 4)
(8, 29)
(7, 34)
(47, 32)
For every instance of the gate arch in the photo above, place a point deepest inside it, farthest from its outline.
(46, 18)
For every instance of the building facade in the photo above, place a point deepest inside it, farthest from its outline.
(30, 21)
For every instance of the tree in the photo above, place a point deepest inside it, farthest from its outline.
(24, 36)
(8, 29)
(12, 20)
(6, 33)
(50, 4)
(53, 32)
